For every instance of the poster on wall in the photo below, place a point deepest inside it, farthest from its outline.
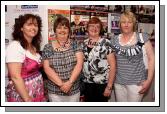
(113, 24)
(52, 15)
(79, 20)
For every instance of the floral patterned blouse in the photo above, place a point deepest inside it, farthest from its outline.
(96, 67)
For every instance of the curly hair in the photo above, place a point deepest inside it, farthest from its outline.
(18, 34)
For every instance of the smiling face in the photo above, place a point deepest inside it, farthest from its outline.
(127, 22)
(94, 27)
(30, 28)
(61, 28)
(62, 31)
(94, 30)
(126, 25)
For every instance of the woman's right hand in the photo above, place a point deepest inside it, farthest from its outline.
(28, 99)
(66, 87)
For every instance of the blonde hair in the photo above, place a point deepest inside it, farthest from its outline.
(129, 15)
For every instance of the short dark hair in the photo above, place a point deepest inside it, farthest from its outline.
(18, 34)
(63, 21)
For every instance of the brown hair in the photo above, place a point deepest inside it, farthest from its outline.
(129, 15)
(63, 21)
(96, 20)
(18, 34)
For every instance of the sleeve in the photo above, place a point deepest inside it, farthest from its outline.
(109, 47)
(145, 37)
(47, 52)
(15, 53)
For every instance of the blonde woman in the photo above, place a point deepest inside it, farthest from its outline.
(132, 79)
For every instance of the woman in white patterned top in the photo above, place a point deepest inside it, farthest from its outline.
(132, 79)
(99, 64)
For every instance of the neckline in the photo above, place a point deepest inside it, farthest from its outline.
(62, 50)
(127, 44)
(88, 39)
(129, 41)
(31, 56)
(63, 43)
(100, 39)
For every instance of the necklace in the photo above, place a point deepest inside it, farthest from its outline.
(62, 45)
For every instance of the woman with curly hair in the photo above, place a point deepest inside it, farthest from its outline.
(23, 61)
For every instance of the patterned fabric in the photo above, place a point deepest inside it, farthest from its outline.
(130, 66)
(29, 72)
(34, 85)
(96, 67)
(63, 62)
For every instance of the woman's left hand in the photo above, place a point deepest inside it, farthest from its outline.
(107, 92)
(145, 86)
(66, 86)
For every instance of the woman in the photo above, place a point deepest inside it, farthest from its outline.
(132, 79)
(99, 64)
(63, 60)
(23, 61)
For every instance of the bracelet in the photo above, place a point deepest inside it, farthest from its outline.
(109, 88)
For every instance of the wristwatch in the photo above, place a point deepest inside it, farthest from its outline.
(109, 88)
